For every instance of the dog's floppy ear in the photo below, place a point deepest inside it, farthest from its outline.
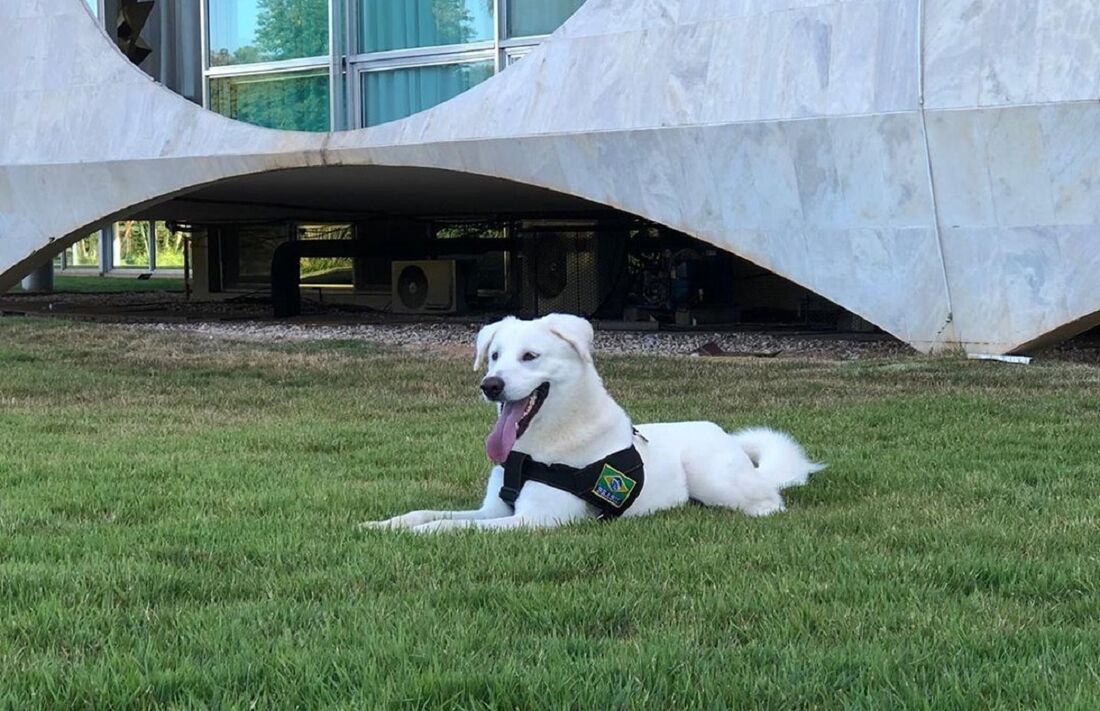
(575, 331)
(485, 339)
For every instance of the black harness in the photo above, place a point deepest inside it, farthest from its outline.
(611, 484)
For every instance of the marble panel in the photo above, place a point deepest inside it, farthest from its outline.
(1009, 285)
(730, 73)
(958, 144)
(685, 95)
(953, 52)
(853, 67)
(897, 52)
(807, 71)
(992, 53)
(1069, 44)
(1071, 138)
(815, 165)
(907, 188)
(1010, 62)
(756, 177)
(905, 273)
(1017, 167)
(882, 172)
(700, 196)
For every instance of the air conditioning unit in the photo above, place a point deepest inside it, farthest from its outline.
(426, 287)
(564, 272)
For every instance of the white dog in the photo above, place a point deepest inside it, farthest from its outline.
(553, 408)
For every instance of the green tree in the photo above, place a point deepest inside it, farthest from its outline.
(286, 29)
(296, 101)
(454, 24)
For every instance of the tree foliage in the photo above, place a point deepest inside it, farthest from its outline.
(286, 29)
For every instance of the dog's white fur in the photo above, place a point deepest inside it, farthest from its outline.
(579, 423)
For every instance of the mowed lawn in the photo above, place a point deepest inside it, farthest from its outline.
(177, 526)
(112, 284)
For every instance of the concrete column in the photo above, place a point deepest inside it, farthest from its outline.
(151, 244)
(106, 249)
(40, 280)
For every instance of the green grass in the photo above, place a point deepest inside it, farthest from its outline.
(97, 284)
(177, 527)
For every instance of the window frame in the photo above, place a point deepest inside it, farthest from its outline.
(288, 66)
(274, 72)
(389, 64)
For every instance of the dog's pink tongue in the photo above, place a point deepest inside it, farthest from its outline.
(499, 443)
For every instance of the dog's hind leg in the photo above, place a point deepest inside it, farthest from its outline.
(492, 507)
(723, 475)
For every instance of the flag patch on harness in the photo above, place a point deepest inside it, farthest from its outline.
(613, 486)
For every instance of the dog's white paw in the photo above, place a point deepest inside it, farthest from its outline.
(760, 509)
(375, 525)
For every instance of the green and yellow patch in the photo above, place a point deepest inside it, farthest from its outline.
(613, 486)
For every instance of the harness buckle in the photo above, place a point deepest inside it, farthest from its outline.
(509, 494)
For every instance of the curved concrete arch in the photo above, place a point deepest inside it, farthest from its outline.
(941, 188)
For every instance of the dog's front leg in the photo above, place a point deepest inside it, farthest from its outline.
(538, 506)
(491, 507)
(419, 518)
(493, 524)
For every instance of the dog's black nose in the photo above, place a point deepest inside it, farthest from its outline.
(492, 387)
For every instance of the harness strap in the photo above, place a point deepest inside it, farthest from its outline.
(611, 484)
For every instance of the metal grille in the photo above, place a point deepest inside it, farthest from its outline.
(561, 273)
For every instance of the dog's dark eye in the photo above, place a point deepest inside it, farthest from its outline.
(495, 356)
(530, 356)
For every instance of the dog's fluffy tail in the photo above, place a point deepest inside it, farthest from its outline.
(777, 456)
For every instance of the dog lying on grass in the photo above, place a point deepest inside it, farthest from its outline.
(564, 450)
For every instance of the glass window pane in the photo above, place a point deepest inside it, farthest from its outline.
(297, 101)
(94, 6)
(255, 249)
(538, 17)
(131, 244)
(401, 24)
(84, 253)
(398, 93)
(246, 31)
(326, 271)
(169, 248)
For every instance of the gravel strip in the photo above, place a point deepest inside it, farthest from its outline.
(452, 336)
(247, 318)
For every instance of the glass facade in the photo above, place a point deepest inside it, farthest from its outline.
(255, 247)
(84, 254)
(250, 31)
(131, 245)
(128, 248)
(169, 252)
(326, 271)
(538, 17)
(292, 101)
(272, 62)
(402, 24)
(397, 93)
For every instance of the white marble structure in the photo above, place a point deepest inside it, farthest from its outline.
(931, 165)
